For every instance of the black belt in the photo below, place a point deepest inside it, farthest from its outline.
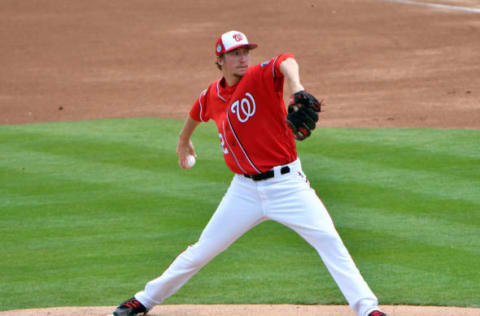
(267, 175)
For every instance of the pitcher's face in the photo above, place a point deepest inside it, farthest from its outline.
(236, 62)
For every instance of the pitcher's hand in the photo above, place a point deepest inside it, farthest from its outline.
(185, 148)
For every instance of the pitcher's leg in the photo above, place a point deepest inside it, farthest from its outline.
(310, 219)
(234, 216)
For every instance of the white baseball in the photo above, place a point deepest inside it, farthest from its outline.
(190, 161)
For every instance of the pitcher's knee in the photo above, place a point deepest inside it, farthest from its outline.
(324, 237)
(202, 252)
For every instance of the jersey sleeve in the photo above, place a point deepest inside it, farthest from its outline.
(276, 64)
(198, 112)
(271, 70)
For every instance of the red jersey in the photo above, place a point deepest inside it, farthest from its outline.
(251, 118)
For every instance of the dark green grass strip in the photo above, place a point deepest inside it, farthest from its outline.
(90, 211)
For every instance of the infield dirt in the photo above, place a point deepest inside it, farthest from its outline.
(376, 63)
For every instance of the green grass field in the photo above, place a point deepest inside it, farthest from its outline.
(90, 211)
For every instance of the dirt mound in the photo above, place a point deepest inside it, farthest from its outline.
(249, 310)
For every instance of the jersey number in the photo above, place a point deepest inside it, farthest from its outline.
(244, 108)
(222, 142)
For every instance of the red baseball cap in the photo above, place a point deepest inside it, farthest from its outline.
(232, 40)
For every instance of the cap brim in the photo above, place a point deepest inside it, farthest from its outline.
(249, 45)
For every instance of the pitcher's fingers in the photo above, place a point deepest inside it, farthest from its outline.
(182, 163)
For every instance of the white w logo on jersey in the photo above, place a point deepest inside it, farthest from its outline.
(244, 108)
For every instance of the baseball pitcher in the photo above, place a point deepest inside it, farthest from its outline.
(257, 134)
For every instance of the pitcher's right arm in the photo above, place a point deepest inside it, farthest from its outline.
(185, 145)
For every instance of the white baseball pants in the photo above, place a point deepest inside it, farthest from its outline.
(285, 198)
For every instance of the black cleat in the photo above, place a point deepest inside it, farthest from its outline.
(131, 307)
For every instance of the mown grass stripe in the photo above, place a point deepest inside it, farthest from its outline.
(460, 142)
(399, 201)
(437, 231)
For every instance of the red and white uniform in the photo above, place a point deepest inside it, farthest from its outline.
(250, 118)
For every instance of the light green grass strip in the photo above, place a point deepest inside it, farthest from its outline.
(90, 211)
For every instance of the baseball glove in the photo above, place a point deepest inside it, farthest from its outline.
(302, 114)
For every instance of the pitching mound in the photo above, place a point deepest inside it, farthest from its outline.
(250, 310)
